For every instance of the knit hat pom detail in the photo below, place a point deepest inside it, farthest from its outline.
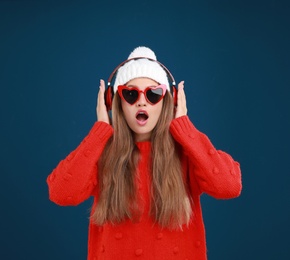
(142, 52)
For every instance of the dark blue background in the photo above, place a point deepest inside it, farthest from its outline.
(234, 57)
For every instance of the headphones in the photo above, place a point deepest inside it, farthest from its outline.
(109, 92)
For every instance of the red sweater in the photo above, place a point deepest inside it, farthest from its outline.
(208, 170)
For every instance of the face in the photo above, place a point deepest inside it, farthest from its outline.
(142, 117)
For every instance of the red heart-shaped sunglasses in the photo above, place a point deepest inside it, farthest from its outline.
(152, 94)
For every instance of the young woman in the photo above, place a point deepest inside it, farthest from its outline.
(146, 170)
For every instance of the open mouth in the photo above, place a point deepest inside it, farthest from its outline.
(142, 116)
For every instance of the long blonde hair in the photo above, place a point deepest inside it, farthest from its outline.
(170, 205)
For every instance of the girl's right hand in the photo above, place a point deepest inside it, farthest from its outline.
(101, 109)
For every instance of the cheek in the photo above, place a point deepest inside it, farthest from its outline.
(157, 111)
(126, 111)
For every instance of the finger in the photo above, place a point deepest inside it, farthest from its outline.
(181, 85)
(180, 91)
(182, 109)
(102, 85)
(101, 93)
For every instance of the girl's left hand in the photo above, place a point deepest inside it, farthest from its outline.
(181, 109)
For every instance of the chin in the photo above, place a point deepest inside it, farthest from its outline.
(142, 136)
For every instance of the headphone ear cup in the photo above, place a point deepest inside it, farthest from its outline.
(109, 97)
(174, 95)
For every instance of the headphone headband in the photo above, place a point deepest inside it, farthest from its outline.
(137, 58)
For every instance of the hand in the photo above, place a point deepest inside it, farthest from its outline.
(101, 109)
(181, 109)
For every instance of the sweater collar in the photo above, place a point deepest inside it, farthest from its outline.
(144, 146)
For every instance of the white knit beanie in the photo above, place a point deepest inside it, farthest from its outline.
(141, 68)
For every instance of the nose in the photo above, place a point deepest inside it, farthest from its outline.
(142, 100)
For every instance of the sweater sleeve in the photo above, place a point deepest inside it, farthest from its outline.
(215, 171)
(75, 177)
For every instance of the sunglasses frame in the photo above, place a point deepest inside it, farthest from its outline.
(122, 87)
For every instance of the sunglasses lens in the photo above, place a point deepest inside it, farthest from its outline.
(154, 95)
(130, 95)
